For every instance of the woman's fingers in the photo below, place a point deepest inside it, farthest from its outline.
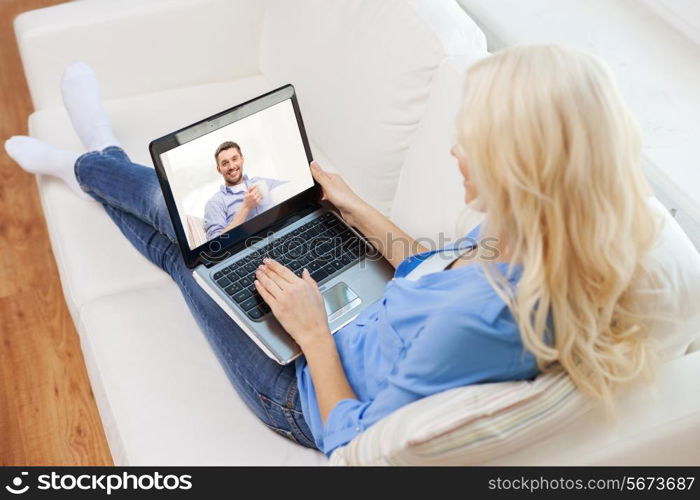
(321, 176)
(318, 173)
(306, 276)
(270, 282)
(316, 169)
(264, 293)
(276, 269)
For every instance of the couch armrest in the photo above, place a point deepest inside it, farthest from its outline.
(138, 47)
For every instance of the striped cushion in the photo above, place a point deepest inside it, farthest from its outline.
(468, 425)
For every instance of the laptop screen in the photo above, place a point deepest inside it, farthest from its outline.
(236, 172)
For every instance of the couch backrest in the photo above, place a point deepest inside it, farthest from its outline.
(430, 193)
(136, 56)
(363, 71)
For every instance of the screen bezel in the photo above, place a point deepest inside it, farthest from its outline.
(214, 250)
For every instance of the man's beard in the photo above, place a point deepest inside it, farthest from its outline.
(237, 180)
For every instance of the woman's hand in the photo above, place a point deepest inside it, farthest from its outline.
(296, 303)
(298, 306)
(339, 194)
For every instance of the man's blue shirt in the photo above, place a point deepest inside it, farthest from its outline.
(223, 206)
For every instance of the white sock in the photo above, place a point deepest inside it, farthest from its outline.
(83, 101)
(38, 157)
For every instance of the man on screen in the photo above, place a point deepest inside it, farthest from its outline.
(240, 198)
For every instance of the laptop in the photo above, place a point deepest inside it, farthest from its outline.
(239, 188)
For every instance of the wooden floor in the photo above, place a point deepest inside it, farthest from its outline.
(47, 410)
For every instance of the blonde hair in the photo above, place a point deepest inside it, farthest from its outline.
(554, 156)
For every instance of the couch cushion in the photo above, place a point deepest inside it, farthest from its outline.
(430, 195)
(82, 234)
(656, 425)
(93, 257)
(468, 425)
(363, 91)
(675, 299)
(163, 397)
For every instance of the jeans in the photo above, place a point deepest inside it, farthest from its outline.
(132, 197)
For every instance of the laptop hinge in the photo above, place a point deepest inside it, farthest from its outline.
(263, 233)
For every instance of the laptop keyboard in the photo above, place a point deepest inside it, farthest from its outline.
(325, 246)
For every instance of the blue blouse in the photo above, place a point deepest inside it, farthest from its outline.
(444, 330)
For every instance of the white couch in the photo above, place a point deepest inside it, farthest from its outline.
(378, 84)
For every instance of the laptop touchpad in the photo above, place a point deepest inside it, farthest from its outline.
(339, 299)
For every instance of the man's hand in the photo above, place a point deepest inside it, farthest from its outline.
(252, 197)
(296, 303)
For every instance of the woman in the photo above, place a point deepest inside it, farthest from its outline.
(550, 155)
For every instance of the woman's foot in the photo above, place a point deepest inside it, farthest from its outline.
(83, 101)
(38, 157)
